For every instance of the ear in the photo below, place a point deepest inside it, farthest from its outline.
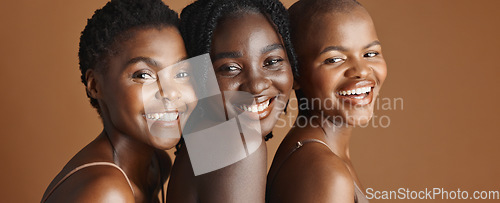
(93, 87)
(296, 84)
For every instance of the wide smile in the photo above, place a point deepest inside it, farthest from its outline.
(263, 109)
(165, 116)
(357, 93)
(360, 93)
(168, 118)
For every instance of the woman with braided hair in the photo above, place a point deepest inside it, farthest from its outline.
(251, 53)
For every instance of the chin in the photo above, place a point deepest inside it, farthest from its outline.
(358, 118)
(164, 138)
(165, 143)
(269, 122)
(266, 126)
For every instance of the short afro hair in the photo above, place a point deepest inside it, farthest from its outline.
(113, 20)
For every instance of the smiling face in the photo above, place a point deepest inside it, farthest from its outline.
(248, 56)
(341, 64)
(146, 92)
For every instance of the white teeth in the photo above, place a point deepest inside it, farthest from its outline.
(163, 116)
(256, 107)
(362, 90)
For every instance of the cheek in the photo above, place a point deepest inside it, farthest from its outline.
(325, 82)
(283, 81)
(188, 94)
(121, 96)
(381, 71)
(228, 84)
(126, 108)
(131, 99)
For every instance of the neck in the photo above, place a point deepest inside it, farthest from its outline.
(133, 156)
(336, 134)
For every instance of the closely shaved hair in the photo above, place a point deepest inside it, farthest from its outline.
(307, 8)
(303, 12)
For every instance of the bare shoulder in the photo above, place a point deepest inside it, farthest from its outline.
(243, 181)
(313, 174)
(100, 183)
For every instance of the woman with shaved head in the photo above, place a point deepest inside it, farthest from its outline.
(341, 71)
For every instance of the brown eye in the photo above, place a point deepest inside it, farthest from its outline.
(371, 54)
(272, 62)
(182, 75)
(228, 70)
(333, 60)
(144, 75)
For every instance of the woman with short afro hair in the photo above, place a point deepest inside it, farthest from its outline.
(126, 46)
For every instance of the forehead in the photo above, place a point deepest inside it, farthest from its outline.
(242, 29)
(163, 44)
(152, 39)
(349, 29)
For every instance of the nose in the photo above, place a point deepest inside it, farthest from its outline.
(168, 92)
(358, 68)
(256, 82)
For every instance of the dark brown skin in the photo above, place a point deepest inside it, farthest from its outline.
(258, 64)
(120, 94)
(314, 173)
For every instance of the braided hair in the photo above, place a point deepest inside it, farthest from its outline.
(110, 23)
(199, 21)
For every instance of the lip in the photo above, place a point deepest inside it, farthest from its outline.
(357, 92)
(169, 118)
(262, 107)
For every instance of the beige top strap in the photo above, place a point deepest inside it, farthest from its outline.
(297, 146)
(85, 166)
(359, 196)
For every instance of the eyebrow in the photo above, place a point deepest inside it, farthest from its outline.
(376, 42)
(181, 60)
(340, 48)
(146, 60)
(237, 54)
(151, 61)
(270, 48)
(227, 55)
(333, 48)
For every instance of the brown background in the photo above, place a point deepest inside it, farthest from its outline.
(442, 58)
